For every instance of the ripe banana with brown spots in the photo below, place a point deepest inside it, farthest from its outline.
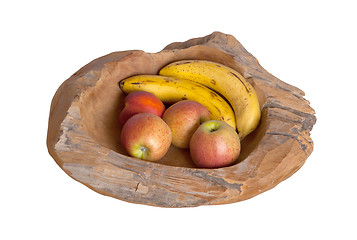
(170, 90)
(226, 81)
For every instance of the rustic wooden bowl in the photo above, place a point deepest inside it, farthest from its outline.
(83, 132)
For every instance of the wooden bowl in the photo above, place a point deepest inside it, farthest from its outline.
(83, 132)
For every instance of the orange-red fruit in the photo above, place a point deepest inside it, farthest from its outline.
(183, 118)
(146, 136)
(141, 102)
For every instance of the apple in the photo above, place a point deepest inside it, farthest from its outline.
(141, 102)
(146, 136)
(183, 118)
(214, 144)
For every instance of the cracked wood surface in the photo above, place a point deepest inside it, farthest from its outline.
(83, 131)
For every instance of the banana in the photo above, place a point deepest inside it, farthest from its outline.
(170, 90)
(226, 81)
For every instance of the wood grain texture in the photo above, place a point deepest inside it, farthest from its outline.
(83, 131)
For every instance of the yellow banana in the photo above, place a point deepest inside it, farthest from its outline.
(226, 81)
(171, 90)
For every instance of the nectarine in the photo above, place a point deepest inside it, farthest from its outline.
(141, 102)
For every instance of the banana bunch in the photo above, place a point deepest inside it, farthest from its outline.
(170, 90)
(204, 82)
(226, 81)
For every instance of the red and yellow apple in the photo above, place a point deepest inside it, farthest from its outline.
(141, 102)
(146, 136)
(183, 118)
(214, 144)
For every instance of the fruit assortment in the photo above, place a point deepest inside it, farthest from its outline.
(211, 108)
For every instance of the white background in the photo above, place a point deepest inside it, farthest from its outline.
(309, 44)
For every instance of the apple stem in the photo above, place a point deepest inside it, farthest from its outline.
(212, 126)
(202, 120)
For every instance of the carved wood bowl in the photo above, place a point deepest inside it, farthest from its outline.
(83, 132)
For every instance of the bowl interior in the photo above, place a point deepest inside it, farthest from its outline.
(101, 104)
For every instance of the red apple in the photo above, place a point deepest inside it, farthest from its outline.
(214, 144)
(146, 136)
(183, 118)
(140, 102)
